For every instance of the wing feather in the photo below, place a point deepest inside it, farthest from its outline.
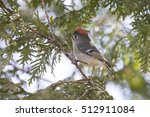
(93, 52)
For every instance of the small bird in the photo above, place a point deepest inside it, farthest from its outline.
(85, 52)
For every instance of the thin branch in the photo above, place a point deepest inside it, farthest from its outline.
(58, 43)
(47, 17)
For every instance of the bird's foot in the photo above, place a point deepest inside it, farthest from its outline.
(74, 61)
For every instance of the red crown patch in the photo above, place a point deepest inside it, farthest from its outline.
(81, 31)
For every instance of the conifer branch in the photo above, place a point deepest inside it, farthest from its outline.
(54, 38)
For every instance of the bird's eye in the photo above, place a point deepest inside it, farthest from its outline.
(75, 37)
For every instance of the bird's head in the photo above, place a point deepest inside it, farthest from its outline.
(80, 35)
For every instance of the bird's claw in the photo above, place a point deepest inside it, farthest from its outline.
(74, 61)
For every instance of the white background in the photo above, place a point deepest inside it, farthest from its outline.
(7, 108)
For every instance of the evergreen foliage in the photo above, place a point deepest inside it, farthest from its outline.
(73, 90)
(139, 11)
(41, 41)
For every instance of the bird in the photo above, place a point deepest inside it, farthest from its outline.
(85, 52)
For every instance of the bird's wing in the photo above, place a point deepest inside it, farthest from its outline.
(93, 52)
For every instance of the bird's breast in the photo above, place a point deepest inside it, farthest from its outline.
(89, 60)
